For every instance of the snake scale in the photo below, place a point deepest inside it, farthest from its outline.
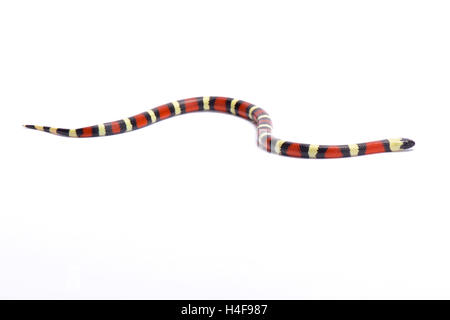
(248, 111)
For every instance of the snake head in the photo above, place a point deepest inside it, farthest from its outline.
(400, 144)
(407, 143)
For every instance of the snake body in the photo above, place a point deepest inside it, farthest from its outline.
(248, 111)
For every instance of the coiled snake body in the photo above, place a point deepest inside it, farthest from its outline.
(242, 109)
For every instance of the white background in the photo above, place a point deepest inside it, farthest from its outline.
(190, 207)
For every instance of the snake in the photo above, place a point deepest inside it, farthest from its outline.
(242, 109)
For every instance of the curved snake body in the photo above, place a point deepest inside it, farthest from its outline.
(242, 109)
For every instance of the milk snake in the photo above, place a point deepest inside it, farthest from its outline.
(242, 109)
